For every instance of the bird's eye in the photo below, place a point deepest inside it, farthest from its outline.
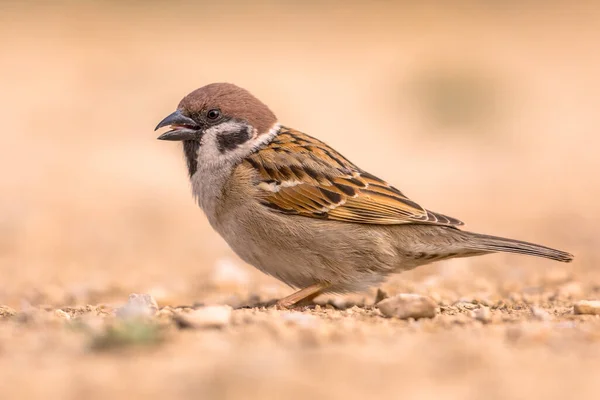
(213, 114)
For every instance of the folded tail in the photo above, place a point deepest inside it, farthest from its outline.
(489, 243)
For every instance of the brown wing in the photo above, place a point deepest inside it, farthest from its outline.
(302, 175)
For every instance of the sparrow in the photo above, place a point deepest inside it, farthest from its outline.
(298, 210)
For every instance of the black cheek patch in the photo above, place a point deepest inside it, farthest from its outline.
(190, 149)
(228, 141)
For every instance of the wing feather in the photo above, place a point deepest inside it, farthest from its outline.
(298, 174)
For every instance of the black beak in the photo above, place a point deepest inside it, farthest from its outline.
(184, 128)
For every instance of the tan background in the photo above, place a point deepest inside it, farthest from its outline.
(486, 111)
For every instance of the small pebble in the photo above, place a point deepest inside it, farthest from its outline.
(61, 314)
(587, 307)
(339, 303)
(483, 314)
(138, 305)
(6, 311)
(465, 305)
(540, 314)
(204, 317)
(406, 306)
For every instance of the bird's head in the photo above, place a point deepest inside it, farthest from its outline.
(221, 115)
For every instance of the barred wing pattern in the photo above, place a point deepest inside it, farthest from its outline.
(302, 175)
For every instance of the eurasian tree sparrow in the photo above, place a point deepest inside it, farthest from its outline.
(296, 209)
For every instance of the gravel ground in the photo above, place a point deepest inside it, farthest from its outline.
(527, 344)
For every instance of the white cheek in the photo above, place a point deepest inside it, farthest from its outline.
(210, 155)
(209, 152)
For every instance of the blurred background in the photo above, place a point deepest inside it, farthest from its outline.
(485, 111)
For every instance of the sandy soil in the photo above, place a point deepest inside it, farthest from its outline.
(487, 113)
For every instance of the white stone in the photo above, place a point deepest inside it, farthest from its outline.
(205, 317)
(540, 314)
(62, 314)
(483, 314)
(406, 306)
(138, 305)
(589, 307)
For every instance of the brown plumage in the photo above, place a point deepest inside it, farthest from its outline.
(302, 175)
(231, 100)
(296, 209)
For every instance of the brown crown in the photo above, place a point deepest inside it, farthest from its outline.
(233, 101)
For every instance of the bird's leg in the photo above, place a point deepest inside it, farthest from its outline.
(306, 294)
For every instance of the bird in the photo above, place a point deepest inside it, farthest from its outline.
(296, 209)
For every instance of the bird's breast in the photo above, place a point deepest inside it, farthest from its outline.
(207, 187)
